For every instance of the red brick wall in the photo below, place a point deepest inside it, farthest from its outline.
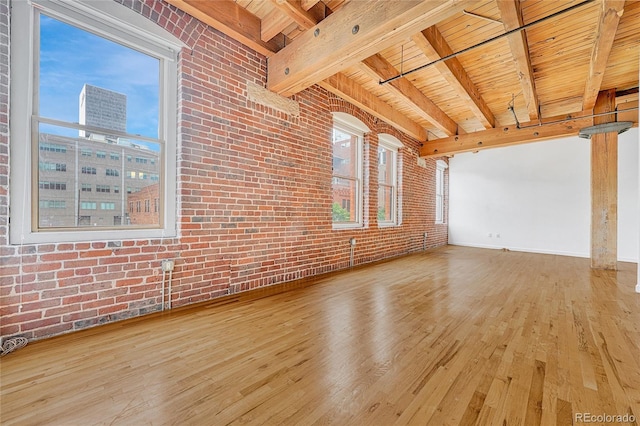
(254, 190)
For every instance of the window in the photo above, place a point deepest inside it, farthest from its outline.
(88, 205)
(52, 167)
(388, 205)
(61, 186)
(441, 166)
(51, 147)
(140, 160)
(56, 124)
(53, 204)
(346, 183)
(103, 188)
(116, 189)
(147, 206)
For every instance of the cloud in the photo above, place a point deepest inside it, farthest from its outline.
(71, 57)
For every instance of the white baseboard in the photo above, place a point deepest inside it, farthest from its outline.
(520, 249)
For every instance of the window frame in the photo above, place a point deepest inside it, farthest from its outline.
(354, 127)
(441, 166)
(394, 145)
(119, 24)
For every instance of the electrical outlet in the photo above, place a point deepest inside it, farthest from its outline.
(489, 235)
(167, 265)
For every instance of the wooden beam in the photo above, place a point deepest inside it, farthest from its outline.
(308, 4)
(294, 10)
(355, 32)
(604, 188)
(553, 127)
(273, 24)
(512, 18)
(355, 94)
(379, 67)
(434, 47)
(229, 18)
(610, 13)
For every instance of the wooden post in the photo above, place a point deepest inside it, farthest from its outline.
(604, 188)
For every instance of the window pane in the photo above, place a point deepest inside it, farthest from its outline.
(385, 203)
(345, 155)
(86, 191)
(385, 166)
(344, 200)
(91, 80)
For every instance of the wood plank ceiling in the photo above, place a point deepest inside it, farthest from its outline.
(552, 70)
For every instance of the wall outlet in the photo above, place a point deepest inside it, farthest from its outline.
(167, 265)
(489, 235)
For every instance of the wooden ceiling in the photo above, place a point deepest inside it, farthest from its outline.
(549, 73)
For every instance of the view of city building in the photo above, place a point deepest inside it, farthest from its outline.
(90, 180)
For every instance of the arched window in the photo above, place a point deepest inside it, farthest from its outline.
(388, 180)
(346, 183)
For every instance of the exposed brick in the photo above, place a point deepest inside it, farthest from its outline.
(254, 186)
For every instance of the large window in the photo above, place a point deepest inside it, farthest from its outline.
(441, 166)
(388, 180)
(89, 78)
(347, 176)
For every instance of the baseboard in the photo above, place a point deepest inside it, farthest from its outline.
(521, 249)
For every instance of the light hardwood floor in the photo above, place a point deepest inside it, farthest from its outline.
(449, 336)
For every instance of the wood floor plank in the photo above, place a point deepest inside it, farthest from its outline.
(449, 336)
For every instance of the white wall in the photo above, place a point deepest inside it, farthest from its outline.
(536, 197)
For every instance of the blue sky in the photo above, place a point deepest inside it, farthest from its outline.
(71, 57)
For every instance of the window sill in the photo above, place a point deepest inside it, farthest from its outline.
(339, 226)
(387, 225)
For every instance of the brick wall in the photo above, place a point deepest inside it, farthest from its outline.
(254, 190)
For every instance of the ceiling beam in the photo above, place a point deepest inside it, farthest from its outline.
(610, 13)
(273, 24)
(355, 32)
(434, 47)
(308, 4)
(379, 68)
(294, 10)
(551, 128)
(352, 92)
(512, 19)
(229, 18)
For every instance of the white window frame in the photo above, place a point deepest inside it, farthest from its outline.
(114, 22)
(441, 166)
(391, 143)
(350, 124)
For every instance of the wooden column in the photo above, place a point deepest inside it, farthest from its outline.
(604, 188)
